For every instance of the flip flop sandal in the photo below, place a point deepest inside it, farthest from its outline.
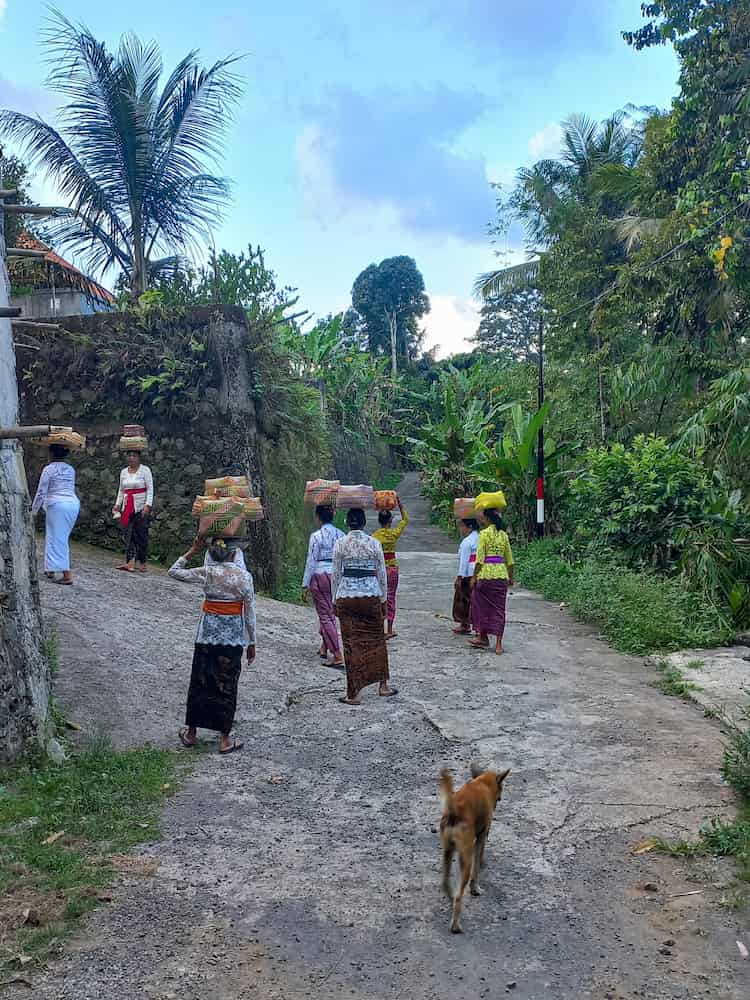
(352, 704)
(50, 576)
(143, 569)
(388, 694)
(461, 631)
(479, 645)
(64, 583)
(185, 741)
(232, 749)
(335, 666)
(125, 569)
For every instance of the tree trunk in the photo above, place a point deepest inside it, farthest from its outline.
(600, 383)
(24, 674)
(393, 324)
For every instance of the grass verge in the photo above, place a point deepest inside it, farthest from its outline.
(637, 612)
(61, 827)
(722, 838)
(673, 682)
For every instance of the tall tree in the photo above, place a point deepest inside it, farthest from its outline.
(130, 155)
(390, 297)
(509, 325)
(14, 174)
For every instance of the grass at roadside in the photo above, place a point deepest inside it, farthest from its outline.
(719, 837)
(637, 612)
(60, 826)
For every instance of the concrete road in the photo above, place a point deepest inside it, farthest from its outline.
(307, 865)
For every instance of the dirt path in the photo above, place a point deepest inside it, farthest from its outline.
(307, 866)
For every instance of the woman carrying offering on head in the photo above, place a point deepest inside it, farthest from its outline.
(135, 498)
(388, 537)
(493, 574)
(360, 590)
(467, 557)
(225, 629)
(56, 492)
(317, 581)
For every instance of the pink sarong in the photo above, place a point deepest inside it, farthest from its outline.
(488, 607)
(320, 588)
(391, 574)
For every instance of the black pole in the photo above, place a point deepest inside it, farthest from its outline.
(540, 442)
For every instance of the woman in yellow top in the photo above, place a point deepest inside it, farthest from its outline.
(493, 574)
(388, 537)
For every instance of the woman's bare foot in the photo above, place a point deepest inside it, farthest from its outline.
(499, 647)
(188, 736)
(387, 692)
(143, 568)
(127, 567)
(50, 576)
(228, 745)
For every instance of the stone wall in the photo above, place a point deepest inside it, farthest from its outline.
(203, 421)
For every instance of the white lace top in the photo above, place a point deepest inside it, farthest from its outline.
(357, 551)
(138, 480)
(227, 581)
(320, 551)
(466, 550)
(57, 483)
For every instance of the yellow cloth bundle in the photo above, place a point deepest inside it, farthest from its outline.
(490, 501)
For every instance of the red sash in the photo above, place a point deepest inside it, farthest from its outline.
(129, 509)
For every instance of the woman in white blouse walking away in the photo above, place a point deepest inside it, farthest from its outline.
(360, 589)
(57, 494)
(226, 627)
(317, 581)
(135, 498)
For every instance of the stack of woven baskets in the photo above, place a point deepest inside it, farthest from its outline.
(133, 438)
(330, 492)
(226, 507)
(64, 436)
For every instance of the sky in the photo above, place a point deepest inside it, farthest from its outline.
(373, 129)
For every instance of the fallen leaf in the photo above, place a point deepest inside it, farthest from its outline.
(166, 786)
(644, 847)
(53, 837)
(742, 949)
(72, 725)
(276, 779)
(143, 826)
(23, 959)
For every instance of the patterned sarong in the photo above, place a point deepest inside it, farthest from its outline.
(462, 601)
(488, 607)
(365, 651)
(212, 696)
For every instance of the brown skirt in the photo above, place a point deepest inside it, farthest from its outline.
(365, 652)
(462, 602)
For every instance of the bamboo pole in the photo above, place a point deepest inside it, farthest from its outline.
(39, 430)
(35, 324)
(23, 252)
(10, 312)
(8, 192)
(35, 210)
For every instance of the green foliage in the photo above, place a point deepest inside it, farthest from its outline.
(638, 612)
(736, 765)
(509, 325)
(130, 158)
(101, 802)
(673, 682)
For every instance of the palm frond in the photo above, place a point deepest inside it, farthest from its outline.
(507, 279)
(632, 230)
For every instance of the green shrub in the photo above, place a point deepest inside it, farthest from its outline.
(638, 612)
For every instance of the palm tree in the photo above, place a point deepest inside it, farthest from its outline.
(546, 192)
(130, 156)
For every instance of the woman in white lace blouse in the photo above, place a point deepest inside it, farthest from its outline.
(226, 626)
(360, 589)
(317, 581)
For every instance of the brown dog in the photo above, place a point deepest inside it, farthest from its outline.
(464, 828)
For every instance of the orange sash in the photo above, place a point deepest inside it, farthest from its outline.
(223, 607)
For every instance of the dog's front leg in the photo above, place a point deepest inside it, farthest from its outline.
(477, 862)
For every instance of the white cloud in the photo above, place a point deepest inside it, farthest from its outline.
(3, 5)
(450, 324)
(545, 145)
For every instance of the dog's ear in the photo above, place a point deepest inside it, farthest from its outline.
(476, 770)
(501, 776)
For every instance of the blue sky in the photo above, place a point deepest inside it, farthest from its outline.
(370, 129)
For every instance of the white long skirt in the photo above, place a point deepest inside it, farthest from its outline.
(60, 517)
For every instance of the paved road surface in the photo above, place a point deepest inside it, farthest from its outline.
(307, 866)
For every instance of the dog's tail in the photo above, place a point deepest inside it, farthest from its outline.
(446, 795)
